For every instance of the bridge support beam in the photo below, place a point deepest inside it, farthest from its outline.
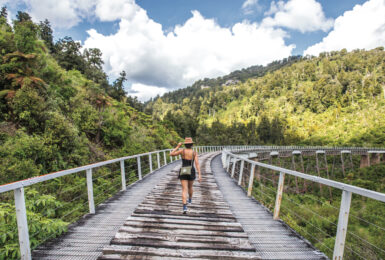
(375, 159)
(342, 225)
(365, 161)
(123, 173)
(90, 191)
(22, 225)
(278, 199)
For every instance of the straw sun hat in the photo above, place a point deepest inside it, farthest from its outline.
(188, 140)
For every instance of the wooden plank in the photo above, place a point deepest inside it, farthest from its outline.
(147, 225)
(180, 231)
(183, 237)
(176, 213)
(185, 253)
(183, 221)
(182, 245)
(181, 216)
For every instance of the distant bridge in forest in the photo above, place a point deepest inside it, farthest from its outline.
(143, 219)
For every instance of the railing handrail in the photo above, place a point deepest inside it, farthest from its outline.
(347, 189)
(335, 184)
(53, 175)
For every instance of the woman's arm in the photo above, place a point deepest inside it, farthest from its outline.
(175, 152)
(198, 167)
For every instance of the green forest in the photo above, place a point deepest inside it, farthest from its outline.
(59, 110)
(336, 99)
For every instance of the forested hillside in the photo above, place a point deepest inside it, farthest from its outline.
(58, 111)
(334, 99)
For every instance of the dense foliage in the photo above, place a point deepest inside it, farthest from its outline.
(334, 99)
(58, 111)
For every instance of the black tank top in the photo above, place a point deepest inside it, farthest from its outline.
(186, 162)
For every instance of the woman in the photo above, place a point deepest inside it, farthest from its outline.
(189, 157)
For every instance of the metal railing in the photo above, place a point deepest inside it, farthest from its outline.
(18, 186)
(19, 198)
(347, 190)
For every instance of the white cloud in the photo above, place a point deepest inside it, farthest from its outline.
(362, 27)
(199, 48)
(69, 13)
(61, 13)
(107, 10)
(249, 5)
(301, 15)
(145, 92)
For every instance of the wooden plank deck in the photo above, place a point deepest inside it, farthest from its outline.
(159, 229)
(146, 222)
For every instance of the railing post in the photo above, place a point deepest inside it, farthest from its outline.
(139, 167)
(233, 169)
(165, 157)
(228, 164)
(251, 180)
(342, 225)
(241, 173)
(278, 199)
(90, 190)
(150, 161)
(170, 157)
(158, 159)
(22, 224)
(123, 173)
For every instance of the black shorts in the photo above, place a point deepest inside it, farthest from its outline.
(190, 177)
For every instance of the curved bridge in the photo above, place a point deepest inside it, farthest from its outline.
(145, 220)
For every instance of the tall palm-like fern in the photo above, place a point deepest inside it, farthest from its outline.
(19, 67)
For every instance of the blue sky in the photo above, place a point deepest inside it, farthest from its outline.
(226, 13)
(165, 45)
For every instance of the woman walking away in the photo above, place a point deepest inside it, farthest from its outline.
(187, 171)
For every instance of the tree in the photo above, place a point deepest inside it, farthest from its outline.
(277, 133)
(46, 34)
(19, 67)
(264, 129)
(25, 35)
(117, 91)
(93, 67)
(4, 12)
(23, 17)
(67, 53)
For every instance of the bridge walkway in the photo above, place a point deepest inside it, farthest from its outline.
(86, 238)
(272, 239)
(146, 222)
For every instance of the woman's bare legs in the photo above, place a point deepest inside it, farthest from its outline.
(190, 189)
(184, 190)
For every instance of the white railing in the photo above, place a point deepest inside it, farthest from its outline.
(18, 187)
(347, 191)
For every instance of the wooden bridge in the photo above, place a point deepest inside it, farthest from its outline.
(146, 222)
